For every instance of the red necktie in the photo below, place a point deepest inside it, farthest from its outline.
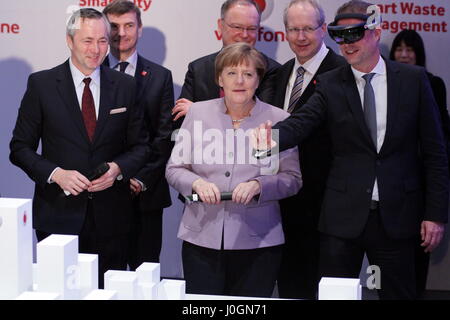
(88, 109)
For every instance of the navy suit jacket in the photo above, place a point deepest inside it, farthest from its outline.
(315, 151)
(413, 151)
(50, 114)
(155, 98)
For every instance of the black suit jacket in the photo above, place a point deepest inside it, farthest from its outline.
(155, 98)
(50, 113)
(200, 84)
(413, 149)
(315, 151)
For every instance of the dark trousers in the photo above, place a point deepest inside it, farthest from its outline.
(111, 251)
(299, 270)
(250, 273)
(395, 258)
(422, 264)
(146, 236)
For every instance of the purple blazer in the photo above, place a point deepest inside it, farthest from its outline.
(208, 147)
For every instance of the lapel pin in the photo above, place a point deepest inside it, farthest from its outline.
(314, 82)
(144, 73)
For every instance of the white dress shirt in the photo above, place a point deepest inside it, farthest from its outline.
(311, 66)
(78, 78)
(132, 63)
(379, 85)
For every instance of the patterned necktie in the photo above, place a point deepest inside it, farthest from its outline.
(88, 109)
(296, 89)
(122, 66)
(370, 112)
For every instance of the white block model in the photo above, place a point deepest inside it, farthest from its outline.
(57, 263)
(31, 295)
(172, 290)
(101, 295)
(16, 247)
(88, 267)
(339, 289)
(149, 273)
(124, 282)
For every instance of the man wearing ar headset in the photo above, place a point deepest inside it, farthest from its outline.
(388, 179)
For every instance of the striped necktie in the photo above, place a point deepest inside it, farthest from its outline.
(296, 89)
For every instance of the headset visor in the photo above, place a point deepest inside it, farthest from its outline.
(347, 33)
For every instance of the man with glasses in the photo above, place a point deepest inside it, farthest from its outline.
(239, 22)
(305, 25)
(388, 177)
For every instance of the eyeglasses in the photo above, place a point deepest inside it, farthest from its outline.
(241, 29)
(306, 30)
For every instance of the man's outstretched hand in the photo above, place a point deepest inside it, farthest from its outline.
(261, 137)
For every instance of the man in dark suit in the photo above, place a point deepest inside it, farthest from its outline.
(239, 22)
(385, 136)
(306, 29)
(83, 114)
(155, 98)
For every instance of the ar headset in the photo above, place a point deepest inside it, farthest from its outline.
(351, 33)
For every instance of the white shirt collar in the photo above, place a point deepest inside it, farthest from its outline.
(379, 69)
(132, 60)
(312, 65)
(78, 76)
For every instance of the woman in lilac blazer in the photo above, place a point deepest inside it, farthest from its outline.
(231, 247)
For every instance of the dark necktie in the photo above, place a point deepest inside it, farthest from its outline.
(370, 112)
(296, 89)
(88, 109)
(122, 66)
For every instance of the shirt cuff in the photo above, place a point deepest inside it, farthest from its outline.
(49, 180)
(143, 187)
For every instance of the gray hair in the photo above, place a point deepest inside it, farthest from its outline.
(228, 4)
(313, 3)
(86, 13)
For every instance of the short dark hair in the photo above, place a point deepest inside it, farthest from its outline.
(82, 14)
(237, 53)
(120, 7)
(354, 6)
(412, 39)
(228, 4)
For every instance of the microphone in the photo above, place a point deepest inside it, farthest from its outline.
(224, 196)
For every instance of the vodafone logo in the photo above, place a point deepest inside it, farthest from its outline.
(266, 7)
(10, 28)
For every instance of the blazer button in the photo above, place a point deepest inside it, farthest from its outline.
(378, 163)
(227, 174)
(369, 191)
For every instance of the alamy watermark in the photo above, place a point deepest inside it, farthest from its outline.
(214, 146)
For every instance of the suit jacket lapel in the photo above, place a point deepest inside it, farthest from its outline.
(282, 82)
(142, 76)
(393, 94)
(68, 94)
(354, 102)
(106, 101)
